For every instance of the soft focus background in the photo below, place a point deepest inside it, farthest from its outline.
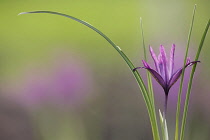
(62, 81)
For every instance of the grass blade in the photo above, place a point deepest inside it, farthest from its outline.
(164, 127)
(184, 118)
(182, 78)
(149, 79)
(139, 80)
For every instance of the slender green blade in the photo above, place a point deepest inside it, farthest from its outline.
(139, 80)
(184, 118)
(149, 79)
(143, 41)
(80, 21)
(182, 78)
(162, 125)
(166, 130)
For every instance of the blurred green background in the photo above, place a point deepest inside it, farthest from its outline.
(62, 81)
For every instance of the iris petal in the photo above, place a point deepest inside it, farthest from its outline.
(178, 73)
(146, 65)
(164, 60)
(155, 59)
(171, 60)
(137, 68)
(155, 74)
(157, 77)
(160, 65)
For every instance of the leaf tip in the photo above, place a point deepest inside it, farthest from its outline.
(161, 116)
(195, 6)
(22, 13)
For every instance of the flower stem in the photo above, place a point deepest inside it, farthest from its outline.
(165, 109)
(165, 106)
(164, 124)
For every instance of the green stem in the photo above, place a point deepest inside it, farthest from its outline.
(165, 106)
(190, 83)
(164, 117)
(139, 80)
(182, 78)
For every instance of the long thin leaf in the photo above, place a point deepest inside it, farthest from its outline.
(129, 63)
(182, 77)
(166, 130)
(149, 78)
(184, 118)
(164, 127)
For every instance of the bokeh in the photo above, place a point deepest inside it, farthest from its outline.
(62, 81)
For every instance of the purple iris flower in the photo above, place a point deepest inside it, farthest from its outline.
(164, 68)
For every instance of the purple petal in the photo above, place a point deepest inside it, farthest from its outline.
(155, 59)
(178, 73)
(188, 60)
(157, 77)
(160, 65)
(137, 68)
(171, 61)
(164, 60)
(146, 65)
